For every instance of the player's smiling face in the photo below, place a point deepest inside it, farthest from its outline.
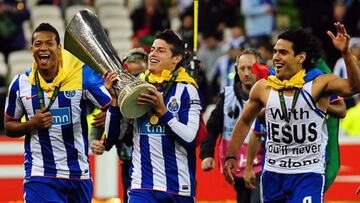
(161, 57)
(46, 51)
(287, 64)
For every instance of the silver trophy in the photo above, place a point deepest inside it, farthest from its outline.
(86, 39)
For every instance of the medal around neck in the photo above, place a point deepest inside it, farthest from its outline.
(154, 119)
(86, 39)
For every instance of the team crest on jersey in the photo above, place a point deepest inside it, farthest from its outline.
(70, 94)
(173, 105)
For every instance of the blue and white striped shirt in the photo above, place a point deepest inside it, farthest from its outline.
(164, 154)
(62, 150)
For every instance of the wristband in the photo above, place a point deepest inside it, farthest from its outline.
(229, 157)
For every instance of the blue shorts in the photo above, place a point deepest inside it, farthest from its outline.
(153, 196)
(42, 189)
(303, 188)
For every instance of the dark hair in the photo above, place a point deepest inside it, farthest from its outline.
(304, 41)
(177, 45)
(46, 27)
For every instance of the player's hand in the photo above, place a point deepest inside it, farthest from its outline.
(249, 178)
(97, 146)
(341, 40)
(41, 119)
(99, 120)
(230, 165)
(208, 164)
(109, 79)
(154, 99)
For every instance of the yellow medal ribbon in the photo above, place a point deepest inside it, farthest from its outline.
(183, 76)
(296, 81)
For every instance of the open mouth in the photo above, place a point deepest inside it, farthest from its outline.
(154, 61)
(279, 66)
(44, 58)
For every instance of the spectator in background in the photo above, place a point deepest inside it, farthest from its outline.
(186, 30)
(223, 119)
(212, 16)
(184, 5)
(352, 17)
(259, 20)
(350, 124)
(210, 50)
(266, 52)
(340, 68)
(12, 15)
(148, 20)
(237, 36)
(224, 72)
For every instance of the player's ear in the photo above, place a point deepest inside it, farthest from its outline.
(301, 57)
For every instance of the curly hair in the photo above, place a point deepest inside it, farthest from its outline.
(304, 41)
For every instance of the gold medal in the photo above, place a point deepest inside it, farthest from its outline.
(154, 119)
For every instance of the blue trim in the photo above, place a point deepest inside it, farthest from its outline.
(312, 74)
(12, 97)
(171, 169)
(45, 143)
(69, 140)
(114, 131)
(146, 166)
(306, 95)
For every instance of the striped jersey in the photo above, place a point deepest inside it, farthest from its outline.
(164, 156)
(62, 150)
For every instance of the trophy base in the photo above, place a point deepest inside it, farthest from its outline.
(128, 105)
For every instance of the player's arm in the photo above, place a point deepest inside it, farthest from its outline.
(185, 126)
(337, 108)
(242, 127)
(334, 84)
(252, 150)
(14, 110)
(16, 128)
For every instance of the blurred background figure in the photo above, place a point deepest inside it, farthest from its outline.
(148, 20)
(222, 121)
(259, 20)
(12, 15)
(350, 124)
(186, 30)
(210, 50)
(224, 71)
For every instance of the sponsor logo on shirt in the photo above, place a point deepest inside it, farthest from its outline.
(61, 116)
(145, 127)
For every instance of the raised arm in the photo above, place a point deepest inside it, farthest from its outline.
(336, 85)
